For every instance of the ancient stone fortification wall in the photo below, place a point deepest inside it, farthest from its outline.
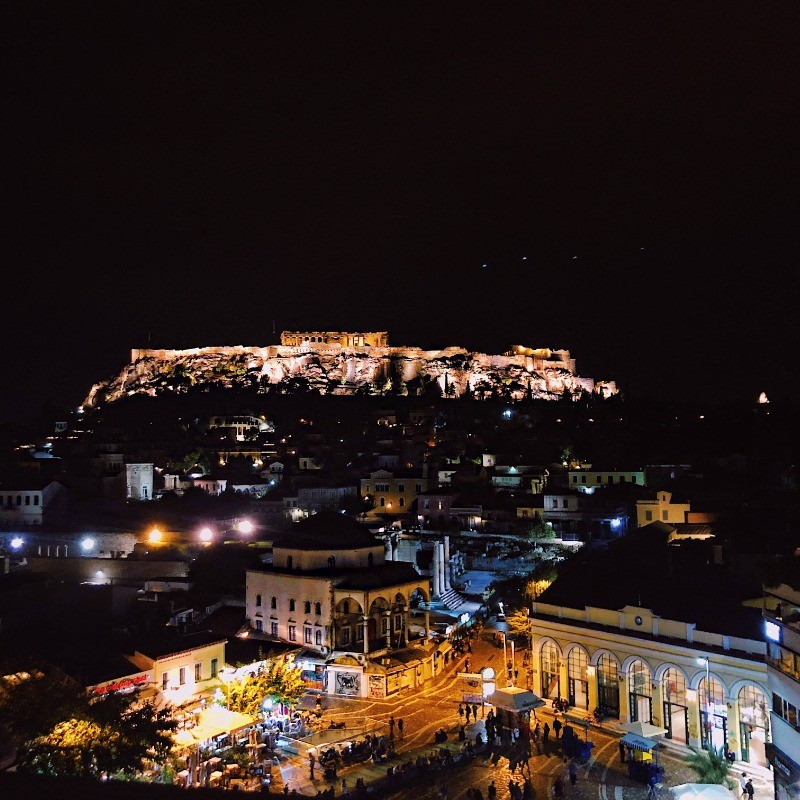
(333, 369)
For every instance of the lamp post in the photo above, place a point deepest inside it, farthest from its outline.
(705, 661)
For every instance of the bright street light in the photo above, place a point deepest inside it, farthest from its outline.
(155, 536)
(206, 534)
(245, 526)
(87, 544)
(17, 542)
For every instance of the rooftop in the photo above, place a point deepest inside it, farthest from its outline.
(327, 530)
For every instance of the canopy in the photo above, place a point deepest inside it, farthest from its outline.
(700, 791)
(224, 720)
(514, 698)
(643, 729)
(639, 742)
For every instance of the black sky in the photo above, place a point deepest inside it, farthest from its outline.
(185, 173)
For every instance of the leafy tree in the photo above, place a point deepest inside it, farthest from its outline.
(710, 766)
(278, 679)
(519, 624)
(60, 731)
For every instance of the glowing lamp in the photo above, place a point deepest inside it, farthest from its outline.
(772, 631)
(616, 522)
(245, 526)
(155, 536)
(87, 544)
(206, 534)
(17, 542)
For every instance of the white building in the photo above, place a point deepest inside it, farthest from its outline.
(139, 481)
(331, 590)
(782, 628)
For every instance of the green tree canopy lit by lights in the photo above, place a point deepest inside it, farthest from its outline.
(278, 680)
(58, 730)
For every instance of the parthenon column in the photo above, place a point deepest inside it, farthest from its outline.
(446, 546)
(442, 568)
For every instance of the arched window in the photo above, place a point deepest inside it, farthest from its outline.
(346, 607)
(291, 605)
(550, 668)
(258, 600)
(640, 692)
(578, 688)
(307, 607)
(673, 686)
(273, 603)
(607, 683)
(331, 561)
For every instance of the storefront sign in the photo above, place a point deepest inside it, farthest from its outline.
(377, 686)
(124, 684)
(347, 683)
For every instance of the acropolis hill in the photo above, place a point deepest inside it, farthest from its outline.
(344, 363)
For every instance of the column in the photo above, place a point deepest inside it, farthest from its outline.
(437, 589)
(387, 549)
(365, 623)
(442, 568)
(407, 621)
(658, 704)
(427, 624)
(404, 629)
(446, 546)
(591, 680)
(694, 717)
(387, 615)
(563, 678)
(734, 726)
(624, 698)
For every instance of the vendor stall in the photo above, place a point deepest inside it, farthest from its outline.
(643, 763)
(512, 708)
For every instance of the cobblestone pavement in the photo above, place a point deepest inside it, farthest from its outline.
(602, 777)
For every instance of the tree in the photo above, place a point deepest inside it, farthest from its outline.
(60, 731)
(279, 679)
(710, 766)
(519, 624)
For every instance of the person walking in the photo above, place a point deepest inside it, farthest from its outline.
(750, 789)
(400, 727)
(621, 752)
(491, 792)
(468, 711)
(573, 771)
(651, 788)
(475, 712)
(391, 726)
(344, 785)
(461, 710)
(312, 760)
(557, 727)
(743, 785)
(545, 733)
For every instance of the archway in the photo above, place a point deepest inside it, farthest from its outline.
(640, 692)
(550, 669)
(676, 706)
(753, 725)
(713, 713)
(608, 684)
(577, 685)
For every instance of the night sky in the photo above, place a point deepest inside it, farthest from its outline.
(184, 173)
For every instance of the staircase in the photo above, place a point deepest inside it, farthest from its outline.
(452, 601)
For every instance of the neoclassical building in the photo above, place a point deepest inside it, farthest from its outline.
(331, 591)
(651, 631)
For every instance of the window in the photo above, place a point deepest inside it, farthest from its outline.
(346, 607)
(318, 637)
(258, 600)
(345, 635)
(331, 561)
(648, 515)
(418, 488)
(36, 499)
(597, 479)
(164, 680)
(583, 479)
(259, 624)
(784, 709)
(307, 635)
(633, 479)
(307, 607)
(664, 514)
(214, 667)
(402, 501)
(318, 608)
(27, 499)
(622, 479)
(426, 504)
(383, 501)
(574, 478)
(611, 479)
(182, 676)
(197, 672)
(384, 625)
(366, 488)
(291, 604)
(293, 633)
(401, 487)
(273, 603)
(359, 633)
(439, 505)
(273, 628)
(398, 622)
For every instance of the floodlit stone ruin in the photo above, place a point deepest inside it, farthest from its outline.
(344, 363)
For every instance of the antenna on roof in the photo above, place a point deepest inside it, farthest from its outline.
(273, 327)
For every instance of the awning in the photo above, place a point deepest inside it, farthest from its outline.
(223, 720)
(637, 742)
(515, 699)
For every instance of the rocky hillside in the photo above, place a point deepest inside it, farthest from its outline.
(331, 369)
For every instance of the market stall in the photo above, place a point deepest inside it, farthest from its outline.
(643, 763)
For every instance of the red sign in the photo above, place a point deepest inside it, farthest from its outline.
(122, 684)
